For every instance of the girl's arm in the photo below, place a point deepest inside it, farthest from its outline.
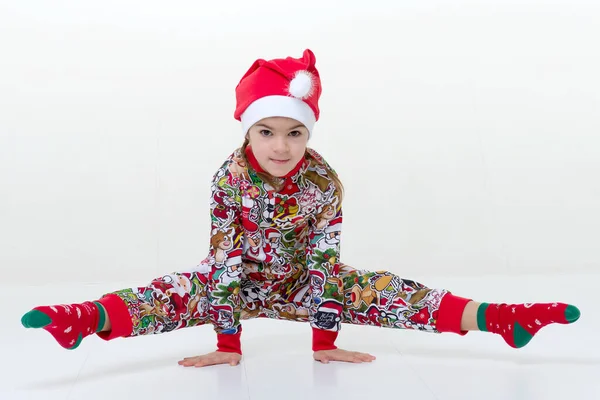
(327, 292)
(225, 253)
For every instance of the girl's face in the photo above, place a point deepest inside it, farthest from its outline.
(278, 143)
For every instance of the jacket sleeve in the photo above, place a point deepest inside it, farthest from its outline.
(225, 257)
(327, 292)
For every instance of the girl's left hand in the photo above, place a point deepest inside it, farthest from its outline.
(325, 356)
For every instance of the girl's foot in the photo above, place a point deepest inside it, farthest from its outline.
(518, 323)
(68, 324)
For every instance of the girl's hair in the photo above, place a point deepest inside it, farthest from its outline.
(313, 161)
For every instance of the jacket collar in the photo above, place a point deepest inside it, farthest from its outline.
(254, 163)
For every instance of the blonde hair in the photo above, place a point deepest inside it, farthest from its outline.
(277, 184)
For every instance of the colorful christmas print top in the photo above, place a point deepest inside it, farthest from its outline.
(251, 222)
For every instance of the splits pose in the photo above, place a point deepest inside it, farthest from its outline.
(274, 251)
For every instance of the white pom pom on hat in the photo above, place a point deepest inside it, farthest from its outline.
(287, 87)
(301, 86)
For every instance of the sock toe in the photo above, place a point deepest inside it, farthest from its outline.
(24, 321)
(35, 319)
(572, 314)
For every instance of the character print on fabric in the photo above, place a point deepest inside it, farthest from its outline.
(317, 284)
(328, 317)
(155, 308)
(291, 312)
(222, 242)
(384, 299)
(253, 223)
(277, 255)
(238, 171)
(381, 290)
(414, 307)
(166, 304)
(255, 292)
(223, 316)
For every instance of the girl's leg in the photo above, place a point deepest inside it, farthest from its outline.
(384, 299)
(168, 303)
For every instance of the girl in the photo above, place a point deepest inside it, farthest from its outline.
(276, 212)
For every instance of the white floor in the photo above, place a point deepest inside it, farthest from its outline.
(562, 362)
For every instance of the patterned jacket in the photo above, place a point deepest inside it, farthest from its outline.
(253, 223)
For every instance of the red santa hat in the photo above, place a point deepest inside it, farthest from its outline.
(335, 225)
(288, 87)
(272, 233)
(234, 257)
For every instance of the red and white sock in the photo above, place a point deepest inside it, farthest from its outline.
(68, 324)
(518, 323)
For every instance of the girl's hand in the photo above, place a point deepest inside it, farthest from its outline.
(214, 358)
(325, 356)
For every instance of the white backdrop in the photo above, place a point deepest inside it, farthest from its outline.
(467, 133)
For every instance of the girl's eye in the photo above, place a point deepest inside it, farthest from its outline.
(265, 132)
(295, 133)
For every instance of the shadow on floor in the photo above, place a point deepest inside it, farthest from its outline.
(137, 367)
(516, 358)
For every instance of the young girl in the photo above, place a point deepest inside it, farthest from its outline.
(276, 212)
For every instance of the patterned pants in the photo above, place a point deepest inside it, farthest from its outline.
(179, 300)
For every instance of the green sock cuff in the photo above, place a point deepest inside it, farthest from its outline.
(481, 323)
(101, 316)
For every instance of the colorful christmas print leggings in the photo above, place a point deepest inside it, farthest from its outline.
(179, 300)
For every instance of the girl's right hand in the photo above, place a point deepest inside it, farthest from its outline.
(214, 358)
